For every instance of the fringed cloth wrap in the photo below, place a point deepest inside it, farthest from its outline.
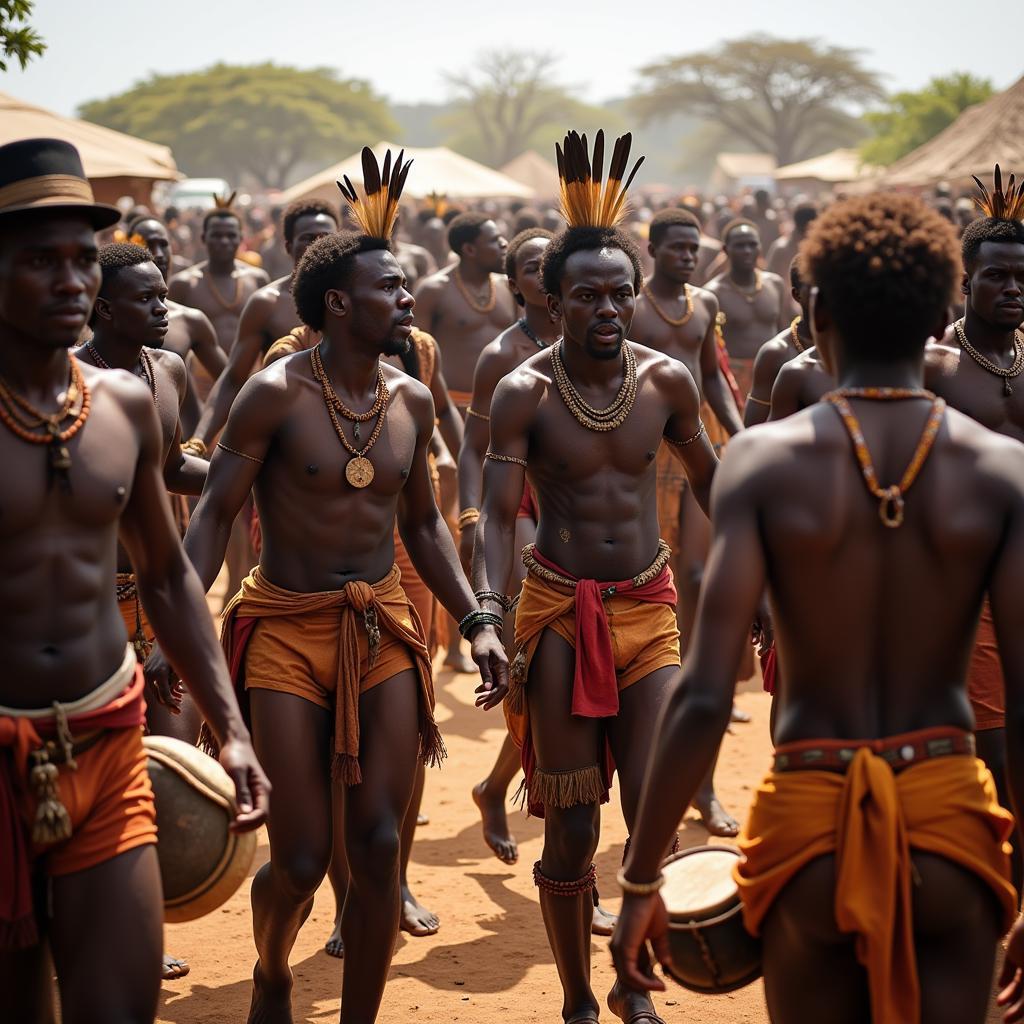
(985, 685)
(617, 642)
(359, 605)
(871, 819)
(34, 765)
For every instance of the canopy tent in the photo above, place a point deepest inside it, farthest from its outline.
(742, 170)
(532, 170)
(982, 136)
(825, 171)
(434, 170)
(115, 163)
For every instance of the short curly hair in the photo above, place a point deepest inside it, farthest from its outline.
(738, 222)
(518, 241)
(673, 217)
(464, 228)
(328, 263)
(115, 257)
(886, 266)
(304, 208)
(988, 229)
(573, 240)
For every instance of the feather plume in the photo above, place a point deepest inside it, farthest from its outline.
(221, 203)
(1000, 203)
(587, 199)
(438, 202)
(377, 211)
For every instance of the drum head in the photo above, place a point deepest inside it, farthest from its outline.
(699, 883)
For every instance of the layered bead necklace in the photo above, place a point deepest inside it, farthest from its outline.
(600, 420)
(1016, 367)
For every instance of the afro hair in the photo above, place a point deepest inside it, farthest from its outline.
(575, 240)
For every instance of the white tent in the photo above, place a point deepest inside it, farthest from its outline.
(841, 165)
(437, 170)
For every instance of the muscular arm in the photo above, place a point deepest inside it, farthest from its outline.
(512, 412)
(240, 361)
(785, 393)
(767, 365)
(179, 289)
(784, 315)
(250, 427)
(716, 392)
(205, 345)
(476, 432)
(697, 454)
(449, 422)
(183, 474)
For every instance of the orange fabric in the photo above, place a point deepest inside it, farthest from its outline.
(460, 399)
(985, 684)
(743, 373)
(871, 818)
(417, 591)
(298, 339)
(671, 487)
(135, 622)
(325, 632)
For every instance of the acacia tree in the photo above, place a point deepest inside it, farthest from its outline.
(912, 118)
(18, 40)
(509, 101)
(262, 120)
(792, 98)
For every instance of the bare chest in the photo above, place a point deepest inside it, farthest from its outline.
(982, 395)
(178, 339)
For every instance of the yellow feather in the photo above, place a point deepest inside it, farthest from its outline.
(1001, 203)
(376, 211)
(586, 199)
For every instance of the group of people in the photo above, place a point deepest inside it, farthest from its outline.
(523, 458)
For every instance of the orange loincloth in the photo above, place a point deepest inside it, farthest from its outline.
(871, 818)
(418, 593)
(671, 488)
(318, 647)
(621, 632)
(140, 633)
(298, 339)
(985, 684)
(105, 791)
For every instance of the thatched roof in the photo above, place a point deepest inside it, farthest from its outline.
(532, 170)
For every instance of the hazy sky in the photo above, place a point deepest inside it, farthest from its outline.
(100, 47)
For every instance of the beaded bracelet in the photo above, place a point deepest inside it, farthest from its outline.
(492, 595)
(195, 446)
(468, 517)
(477, 617)
(689, 440)
(505, 458)
(639, 888)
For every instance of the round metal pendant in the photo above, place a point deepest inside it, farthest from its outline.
(359, 472)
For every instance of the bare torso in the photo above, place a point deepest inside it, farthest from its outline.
(683, 342)
(221, 299)
(750, 317)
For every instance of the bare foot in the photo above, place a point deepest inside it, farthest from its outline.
(455, 660)
(603, 922)
(271, 1004)
(632, 1007)
(717, 820)
(415, 918)
(174, 967)
(495, 821)
(334, 946)
(739, 715)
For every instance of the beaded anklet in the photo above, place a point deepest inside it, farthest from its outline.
(557, 888)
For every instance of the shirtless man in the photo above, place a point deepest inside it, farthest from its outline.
(220, 285)
(592, 467)
(776, 352)
(679, 320)
(900, 803)
(465, 305)
(268, 315)
(61, 635)
(753, 300)
(189, 331)
(783, 250)
(337, 650)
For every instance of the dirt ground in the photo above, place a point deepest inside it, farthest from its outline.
(490, 962)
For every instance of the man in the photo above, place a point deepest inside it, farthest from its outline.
(877, 878)
(783, 250)
(776, 352)
(587, 416)
(753, 301)
(268, 315)
(322, 636)
(710, 248)
(679, 320)
(801, 383)
(189, 331)
(464, 305)
(976, 368)
(221, 285)
(78, 807)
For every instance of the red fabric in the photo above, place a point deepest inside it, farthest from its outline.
(595, 690)
(768, 670)
(528, 506)
(727, 374)
(18, 738)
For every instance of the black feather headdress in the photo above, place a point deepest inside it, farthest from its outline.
(1000, 203)
(587, 200)
(377, 211)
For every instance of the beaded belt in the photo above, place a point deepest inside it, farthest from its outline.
(125, 586)
(899, 751)
(542, 572)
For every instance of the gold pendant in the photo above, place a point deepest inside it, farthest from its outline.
(359, 472)
(890, 509)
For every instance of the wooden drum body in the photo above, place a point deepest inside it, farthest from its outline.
(712, 951)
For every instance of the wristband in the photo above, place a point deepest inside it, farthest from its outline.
(195, 446)
(639, 888)
(492, 595)
(477, 617)
(468, 517)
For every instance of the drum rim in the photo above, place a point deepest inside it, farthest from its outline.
(720, 914)
(693, 925)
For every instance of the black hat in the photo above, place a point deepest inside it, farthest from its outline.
(47, 174)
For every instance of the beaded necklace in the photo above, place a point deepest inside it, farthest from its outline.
(145, 365)
(23, 419)
(492, 294)
(797, 343)
(601, 420)
(671, 320)
(359, 470)
(749, 296)
(890, 499)
(525, 327)
(1018, 356)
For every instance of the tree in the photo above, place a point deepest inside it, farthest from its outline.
(508, 102)
(788, 97)
(18, 41)
(912, 118)
(261, 120)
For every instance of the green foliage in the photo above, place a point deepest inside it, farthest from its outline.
(788, 97)
(912, 118)
(510, 102)
(263, 120)
(18, 41)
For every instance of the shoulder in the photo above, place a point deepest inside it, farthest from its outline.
(763, 454)
(170, 362)
(651, 360)
(773, 279)
(188, 277)
(707, 298)
(526, 383)
(248, 271)
(715, 283)
(502, 353)
(194, 318)
(121, 387)
(434, 283)
(414, 393)
(773, 353)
